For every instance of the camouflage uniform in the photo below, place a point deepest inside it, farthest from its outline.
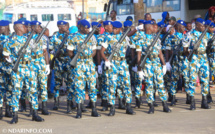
(199, 63)
(153, 70)
(23, 73)
(119, 73)
(84, 73)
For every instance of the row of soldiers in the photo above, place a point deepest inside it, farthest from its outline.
(95, 55)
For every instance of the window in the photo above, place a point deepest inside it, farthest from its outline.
(154, 6)
(47, 17)
(8, 16)
(34, 17)
(64, 16)
(171, 5)
(21, 15)
(92, 9)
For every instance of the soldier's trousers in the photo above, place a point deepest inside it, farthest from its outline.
(85, 73)
(137, 84)
(154, 80)
(185, 73)
(199, 66)
(62, 70)
(104, 84)
(19, 77)
(175, 74)
(119, 76)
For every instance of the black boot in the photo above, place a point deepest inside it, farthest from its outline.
(121, 105)
(56, 103)
(165, 107)
(154, 103)
(89, 104)
(1, 113)
(138, 102)
(23, 105)
(15, 118)
(36, 117)
(69, 111)
(112, 110)
(30, 112)
(209, 98)
(205, 103)
(170, 97)
(79, 112)
(188, 99)
(105, 105)
(151, 108)
(192, 103)
(94, 110)
(173, 103)
(8, 112)
(83, 109)
(129, 110)
(44, 108)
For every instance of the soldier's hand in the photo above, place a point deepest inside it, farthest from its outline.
(141, 75)
(164, 69)
(134, 69)
(99, 69)
(47, 72)
(108, 64)
(168, 66)
(9, 60)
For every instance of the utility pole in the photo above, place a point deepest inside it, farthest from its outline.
(82, 17)
(138, 10)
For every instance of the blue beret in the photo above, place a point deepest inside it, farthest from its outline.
(35, 23)
(107, 23)
(85, 23)
(61, 22)
(161, 24)
(149, 22)
(117, 24)
(164, 14)
(4, 23)
(127, 23)
(96, 24)
(165, 25)
(208, 22)
(182, 22)
(129, 18)
(19, 22)
(200, 20)
(27, 23)
(79, 22)
(141, 21)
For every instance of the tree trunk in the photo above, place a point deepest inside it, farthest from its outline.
(138, 11)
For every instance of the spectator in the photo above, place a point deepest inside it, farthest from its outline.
(189, 26)
(172, 20)
(148, 16)
(165, 17)
(113, 15)
(153, 21)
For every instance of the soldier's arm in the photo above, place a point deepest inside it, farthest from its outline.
(102, 53)
(161, 57)
(139, 51)
(70, 48)
(168, 51)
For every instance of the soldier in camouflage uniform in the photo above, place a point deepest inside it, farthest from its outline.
(198, 65)
(153, 71)
(118, 68)
(5, 79)
(211, 55)
(61, 65)
(23, 73)
(172, 42)
(84, 72)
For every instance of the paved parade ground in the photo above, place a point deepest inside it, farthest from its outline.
(181, 120)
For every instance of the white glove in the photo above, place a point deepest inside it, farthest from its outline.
(107, 64)
(99, 69)
(168, 66)
(47, 72)
(140, 27)
(134, 69)
(164, 69)
(52, 52)
(9, 60)
(141, 74)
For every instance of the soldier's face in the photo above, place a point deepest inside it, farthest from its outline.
(155, 28)
(85, 30)
(109, 28)
(2, 29)
(23, 29)
(189, 26)
(181, 28)
(210, 29)
(200, 27)
(64, 28)
(148, 17)
(116, 30)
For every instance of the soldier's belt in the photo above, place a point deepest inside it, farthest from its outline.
(153, 56)
(25, 62)
(85, 57)
(119, 58)
(204, 52)
(37, 56)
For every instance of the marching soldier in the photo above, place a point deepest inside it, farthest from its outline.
(153, 75)
(118, 69)
(198, 65)
(84, 72)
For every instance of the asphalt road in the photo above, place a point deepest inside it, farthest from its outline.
(181, 120)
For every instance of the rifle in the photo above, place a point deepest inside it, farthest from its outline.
(22, 51)
(58, 51)
(117, 46)
(175, 52)
(197, 44)
(81, 47)
(210, 43)
(167, 33)
(150, 48)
